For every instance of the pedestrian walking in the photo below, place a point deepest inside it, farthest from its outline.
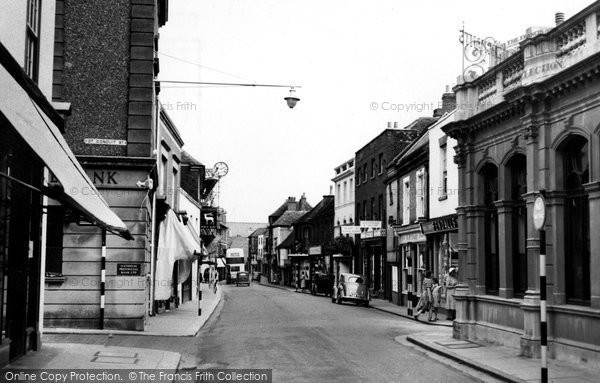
(451, 283)
(214, 279)
(303, 282)
(436, 298)
(426, 296)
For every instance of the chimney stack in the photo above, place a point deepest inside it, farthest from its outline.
(448, 100)
(302, 202)
(291, 204)
(559, 18)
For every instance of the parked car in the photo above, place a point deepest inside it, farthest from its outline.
(322, 283)
(243, 278)
(350, 287)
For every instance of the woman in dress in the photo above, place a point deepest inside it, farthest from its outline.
(451, 283)
(426, 295)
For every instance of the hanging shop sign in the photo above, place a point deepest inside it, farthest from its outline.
(314, 250)
(440, 225)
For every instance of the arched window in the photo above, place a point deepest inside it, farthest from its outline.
(517, 167)
(489, 176)
(575, 165)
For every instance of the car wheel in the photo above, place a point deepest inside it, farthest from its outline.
(338, 299)
(366, 303)
(332, 298)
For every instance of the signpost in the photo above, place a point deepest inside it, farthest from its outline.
(539, 219)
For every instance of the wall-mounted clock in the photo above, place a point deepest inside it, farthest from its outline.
(221, 169)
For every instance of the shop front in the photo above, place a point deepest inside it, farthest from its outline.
(32, 151)
(442, 235)
(414, 261)
(372, 247)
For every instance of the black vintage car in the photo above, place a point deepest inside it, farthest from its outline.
(321, 283)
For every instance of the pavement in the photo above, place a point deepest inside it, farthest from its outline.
(180, 322)
(500, 362)
(71, 356)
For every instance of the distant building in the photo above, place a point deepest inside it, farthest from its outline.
(370, 199)
(343, 186)
(257, 243)
(277, 233)
(312, 240)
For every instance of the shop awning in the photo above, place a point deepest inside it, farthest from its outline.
(45, 139)
(175, 243)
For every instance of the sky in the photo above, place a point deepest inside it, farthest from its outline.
(360, 64)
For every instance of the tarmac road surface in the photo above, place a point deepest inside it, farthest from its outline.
(304, 338)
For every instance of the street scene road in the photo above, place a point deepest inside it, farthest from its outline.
(300, 336)
(307, 338)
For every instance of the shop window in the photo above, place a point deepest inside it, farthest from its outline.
(577, 220)
(489, 175)
(54, 240)
(517, 167)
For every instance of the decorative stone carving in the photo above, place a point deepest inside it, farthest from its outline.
(515, 143)
(460, 156)
(569, 122)
(530, 131)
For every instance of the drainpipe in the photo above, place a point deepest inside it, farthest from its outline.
(154, 223)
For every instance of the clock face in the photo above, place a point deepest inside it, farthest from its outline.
(221, 169)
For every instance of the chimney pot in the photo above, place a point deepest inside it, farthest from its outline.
(559, 18)
(389, 125)
(395, 124)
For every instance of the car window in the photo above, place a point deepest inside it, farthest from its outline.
(355, 280)
(235, 268)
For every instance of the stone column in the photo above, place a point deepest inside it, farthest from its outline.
(593, 190)
(530, 340)
(505, 247)
(460, 328)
